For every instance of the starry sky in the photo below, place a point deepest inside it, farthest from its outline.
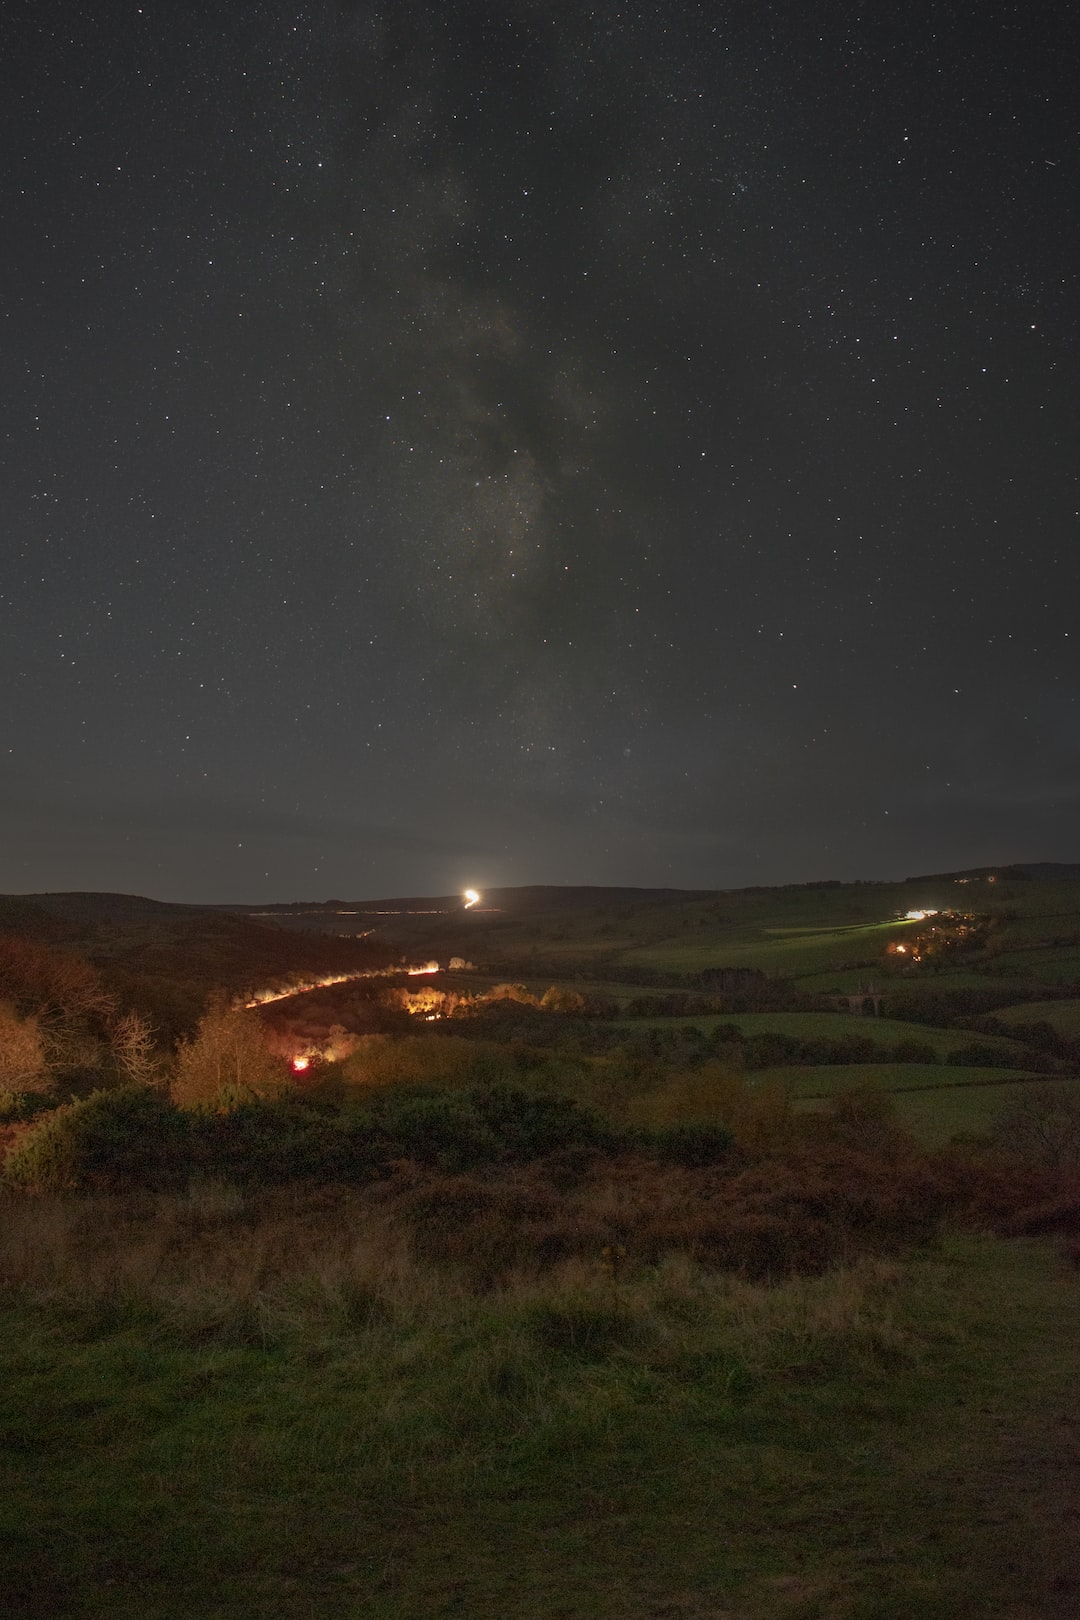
(544, 442)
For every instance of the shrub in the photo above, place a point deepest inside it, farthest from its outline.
(44, 1157)
(22, 1060)
(863, 1120)
(694, 1144)
(420, 1060)
(18, 1106)
(434, 1128)
(108, 1140)
(1043, 1126)
(528, 1125)
(913, 1052)
(981, 1055)
(255, 1140)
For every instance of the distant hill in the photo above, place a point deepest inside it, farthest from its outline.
(1049, 871)
(537, 897)
(207, 946)
(1043, 871)
(19, 914)
(91, 909)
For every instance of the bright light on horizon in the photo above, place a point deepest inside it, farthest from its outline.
(471, 897)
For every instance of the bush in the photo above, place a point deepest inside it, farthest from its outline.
(434, 1128)
(913, 1052)
(529, 1125)
(254, 1140)
(694, 1144)
(981, 1055)
(457, 1131)
(1043, 1126)
(109, 1140)
(18, 1106)
(22, 1059)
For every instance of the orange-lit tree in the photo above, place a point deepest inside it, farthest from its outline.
(228, 1054)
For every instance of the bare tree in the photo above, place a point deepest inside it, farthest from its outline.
(131, 1038)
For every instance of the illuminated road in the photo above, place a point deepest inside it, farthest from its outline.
(262, 998)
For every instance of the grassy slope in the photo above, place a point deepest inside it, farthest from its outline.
(871, 1448)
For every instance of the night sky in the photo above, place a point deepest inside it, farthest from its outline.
(542, 442)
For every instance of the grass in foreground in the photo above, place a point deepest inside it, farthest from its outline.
(226, 1416)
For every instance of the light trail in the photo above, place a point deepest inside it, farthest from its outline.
(263, 998)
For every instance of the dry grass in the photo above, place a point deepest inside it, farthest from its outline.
(217, 1264)
(280, 1402)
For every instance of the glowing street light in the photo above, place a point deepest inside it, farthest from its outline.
(471, 898)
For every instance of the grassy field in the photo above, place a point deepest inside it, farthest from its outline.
(786, 953)
(352, 1436)
(1064, 1016)
(831, 1079)
(957, 1102)
(832, 1026)
(1047, 965)
(936, 1117)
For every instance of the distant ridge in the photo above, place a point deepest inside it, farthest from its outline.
(1043, 871)
(45, 913)
(530, 897)
(1049, 871)
(92, 905)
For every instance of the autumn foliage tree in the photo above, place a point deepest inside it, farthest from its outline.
(227, 1054)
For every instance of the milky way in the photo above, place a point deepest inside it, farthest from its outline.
(542, 443)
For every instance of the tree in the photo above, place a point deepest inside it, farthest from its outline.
(556, 999)
(227, 1053)
(61, 992)
(132, 1041)
(22, 1060)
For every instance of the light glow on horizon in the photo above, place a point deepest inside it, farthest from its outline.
(472, 897)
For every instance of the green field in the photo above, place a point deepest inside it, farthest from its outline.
(889, 1441)
(832, 1026)
(786, 953)
(1064, 1016)
(831, 1079)
(936, 1117)
(1046, 965)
